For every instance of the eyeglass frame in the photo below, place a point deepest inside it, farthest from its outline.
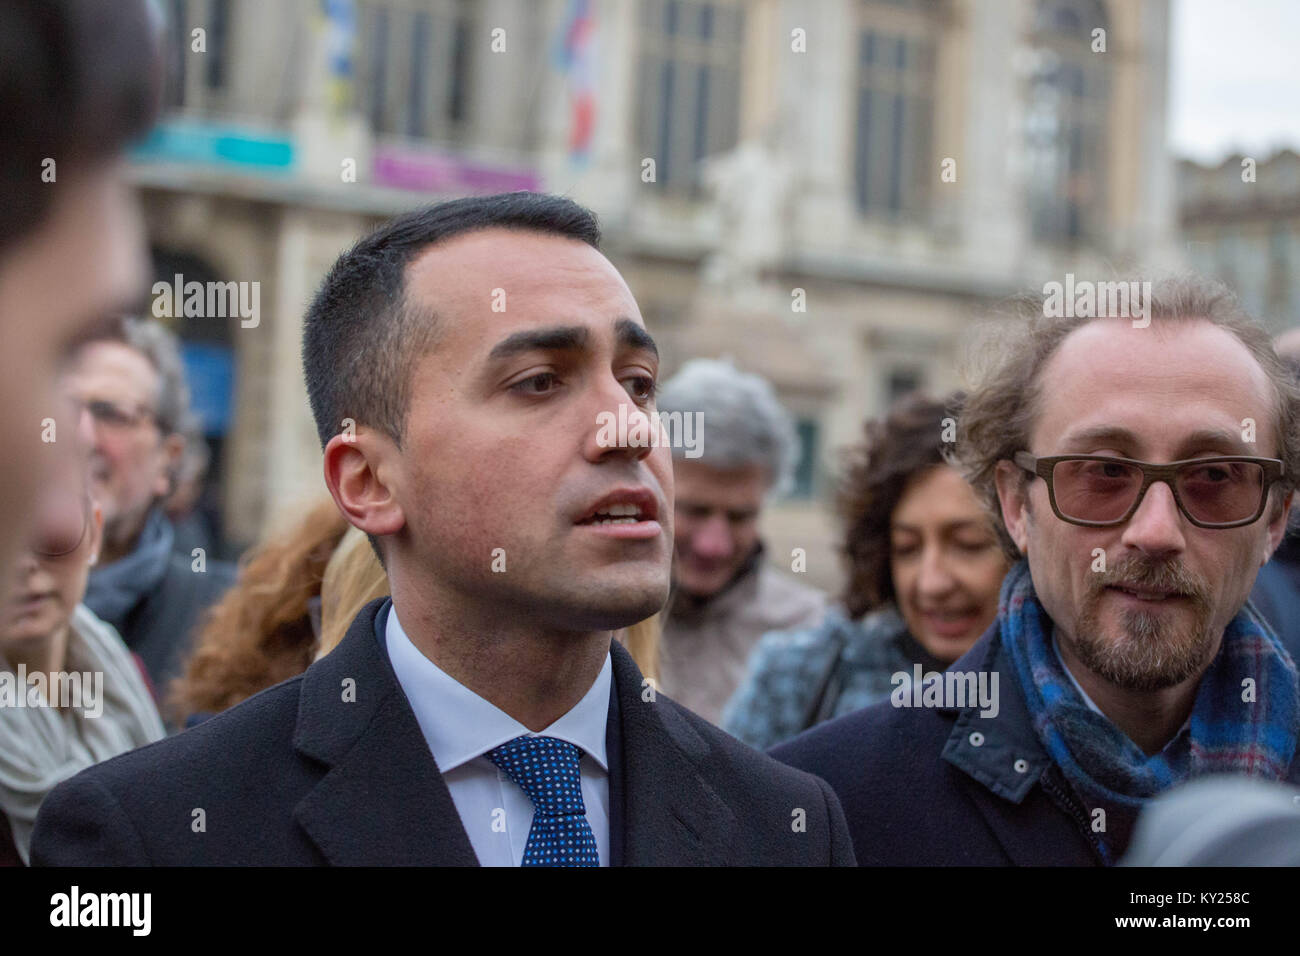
(127, 420)
(1273, 469)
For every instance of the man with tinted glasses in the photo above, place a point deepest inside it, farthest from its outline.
(1142, 472)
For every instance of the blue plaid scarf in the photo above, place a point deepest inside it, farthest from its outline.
(1106, 769)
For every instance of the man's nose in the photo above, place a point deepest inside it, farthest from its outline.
(1157, 525)
(619, 426)
(712, 539)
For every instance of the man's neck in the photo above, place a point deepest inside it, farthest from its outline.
(121, 538)
(533, 674)
(1149, 718)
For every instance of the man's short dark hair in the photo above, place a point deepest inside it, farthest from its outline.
(78, 80)
(363, 336)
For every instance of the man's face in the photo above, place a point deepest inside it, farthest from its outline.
(130, 458)
(512, 497)
(1159, 394)
(83, 264)
(717, 523)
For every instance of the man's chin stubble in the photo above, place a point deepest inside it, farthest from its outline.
(1154, 653)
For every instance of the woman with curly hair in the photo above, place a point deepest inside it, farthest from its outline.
(925, 568)
(261, 632)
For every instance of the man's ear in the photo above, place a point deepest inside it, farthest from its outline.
(173, 447)
(357, 468)
(1013, 496)
(1277, 525)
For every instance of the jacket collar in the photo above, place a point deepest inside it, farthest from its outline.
(1002, 752)
(671, 815)
(354, 718)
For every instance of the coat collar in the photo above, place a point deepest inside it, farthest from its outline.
(383, 800)
(1002, 752)
(671, 815)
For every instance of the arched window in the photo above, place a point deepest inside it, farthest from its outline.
(1065, 122)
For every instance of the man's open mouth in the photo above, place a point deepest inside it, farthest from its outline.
(616, 514)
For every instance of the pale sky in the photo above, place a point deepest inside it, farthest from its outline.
(1234, 79)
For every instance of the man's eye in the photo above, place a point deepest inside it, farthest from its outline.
(535, 384)
(642, 387)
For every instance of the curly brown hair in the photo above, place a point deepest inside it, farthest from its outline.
(260, 632)
(905, 442)
(998, 416)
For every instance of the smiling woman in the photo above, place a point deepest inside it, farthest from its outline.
(924, 570)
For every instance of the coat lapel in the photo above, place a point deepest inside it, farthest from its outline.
(383, 801)
(670, 814)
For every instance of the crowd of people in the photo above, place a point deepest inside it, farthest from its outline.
(499, 638)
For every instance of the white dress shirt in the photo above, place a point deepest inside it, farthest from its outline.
(461, 727)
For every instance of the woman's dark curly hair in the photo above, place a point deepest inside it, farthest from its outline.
(908, 440)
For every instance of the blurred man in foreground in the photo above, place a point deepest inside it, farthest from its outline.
(78, 80)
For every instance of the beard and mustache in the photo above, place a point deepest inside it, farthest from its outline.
(1156, 648)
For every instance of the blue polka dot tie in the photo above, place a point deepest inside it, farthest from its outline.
(547, 770)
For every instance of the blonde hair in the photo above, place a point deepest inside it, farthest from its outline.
(642, 642)
(353, 578)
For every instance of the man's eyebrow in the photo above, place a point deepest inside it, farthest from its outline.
(1110, 434)
(568, 338)
(632, 336)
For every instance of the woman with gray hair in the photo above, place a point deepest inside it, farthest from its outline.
(724, 595)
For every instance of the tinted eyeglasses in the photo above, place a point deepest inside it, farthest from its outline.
(1100, 491)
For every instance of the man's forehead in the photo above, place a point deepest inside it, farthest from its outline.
(493, 282)
(1167, 382)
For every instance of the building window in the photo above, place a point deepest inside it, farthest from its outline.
(1065, 125)
(892, 162)
(414, 66)
(902, 380)
(689, 102)
(805, 469)
(194, 79)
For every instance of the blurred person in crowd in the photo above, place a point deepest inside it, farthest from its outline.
(78, 80)
(481, 470)
(71, 694)
(131, 380)
(725, 595)
(1219, 821)
(1142, 468)
(264, 629)
(924, 568)
(1277, 589)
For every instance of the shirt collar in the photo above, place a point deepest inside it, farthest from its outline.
(459, 725)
